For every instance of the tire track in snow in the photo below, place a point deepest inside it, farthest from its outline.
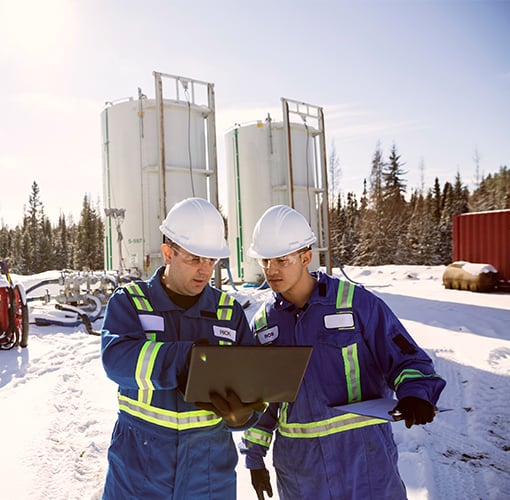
(472, 438)
(479, 443)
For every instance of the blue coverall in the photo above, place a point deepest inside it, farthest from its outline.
(361, 351)
(163, 447)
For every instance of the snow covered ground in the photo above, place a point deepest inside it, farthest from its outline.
(58, 408)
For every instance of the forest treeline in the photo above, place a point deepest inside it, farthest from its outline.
(386, 226)
(37, 245)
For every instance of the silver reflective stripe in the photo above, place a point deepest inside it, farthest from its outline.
(410, 373)
(344, 295)
(258, 436)
(179, 421)
(352, 372)
(141, 303)
(145, 364)
(225, 307)
(144, 369)
(260, 318)
(328, 426)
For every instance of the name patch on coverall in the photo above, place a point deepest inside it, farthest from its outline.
(342, 320)
(269, 335)
(224, 332)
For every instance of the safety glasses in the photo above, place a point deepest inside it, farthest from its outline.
(194, 260)
(281, 262)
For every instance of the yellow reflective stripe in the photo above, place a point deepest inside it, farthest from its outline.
(179, 421)
(260, 318)
(326, 427)
(150, 336)
(145, 396)
(352, 372)
(144, 369)
(225, 307)
(258, 436)
(409, 373)
(141, 303)
(344, 295)
(224, 342)
(145, 364)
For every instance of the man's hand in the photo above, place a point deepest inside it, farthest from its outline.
(260, 482)
(232, 410)
(414, 411)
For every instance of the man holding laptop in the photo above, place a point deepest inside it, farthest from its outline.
(163, 446)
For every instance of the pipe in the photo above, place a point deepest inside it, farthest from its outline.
(161, 139)
(108, 242)
(239, 238)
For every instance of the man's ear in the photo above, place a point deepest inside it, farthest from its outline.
(306, 258)
(167, 253)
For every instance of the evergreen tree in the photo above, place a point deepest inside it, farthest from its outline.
(15, 256)
(414, 230)
(431, 231)
(394, 208)
(394, 186)
(45, 246)
(350, 236)
(61, 245)
(422, 239)
(33, 223)
(436, 202)
(371, 228)
(336, 228)
(460, 202)
(446, 224)
(493, 192)
(88, 253)
(5, 243)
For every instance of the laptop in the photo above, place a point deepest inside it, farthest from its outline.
(266, 373)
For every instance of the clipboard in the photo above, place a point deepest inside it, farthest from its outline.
(267, 373)
(378, 408)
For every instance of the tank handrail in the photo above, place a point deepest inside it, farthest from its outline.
(109, 104)
(273, 124)
(181, 78)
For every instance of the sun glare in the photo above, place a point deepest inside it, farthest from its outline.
(35, 28)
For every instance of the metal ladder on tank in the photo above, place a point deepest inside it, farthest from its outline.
(319, 189)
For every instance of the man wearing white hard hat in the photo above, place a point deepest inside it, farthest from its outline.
(162, 446)
(361, 352)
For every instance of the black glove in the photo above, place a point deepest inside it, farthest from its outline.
(414, 411)
(260, 482)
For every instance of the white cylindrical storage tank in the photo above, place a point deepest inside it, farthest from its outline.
(258, 177)
(132, 176)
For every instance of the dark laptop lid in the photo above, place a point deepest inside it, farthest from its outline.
(267, 373)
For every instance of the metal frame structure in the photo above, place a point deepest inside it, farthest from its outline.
(187, 87)
(320, 191)
(190, 90)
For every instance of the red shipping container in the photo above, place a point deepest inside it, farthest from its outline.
(484, 238)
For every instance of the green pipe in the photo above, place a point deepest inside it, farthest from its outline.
(108, 242)
(239, 238)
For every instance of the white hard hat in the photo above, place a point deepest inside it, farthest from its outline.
(197, 226)
(279, 231)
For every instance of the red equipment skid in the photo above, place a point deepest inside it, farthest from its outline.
(14, 322)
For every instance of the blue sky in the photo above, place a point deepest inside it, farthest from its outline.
(431, 76)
